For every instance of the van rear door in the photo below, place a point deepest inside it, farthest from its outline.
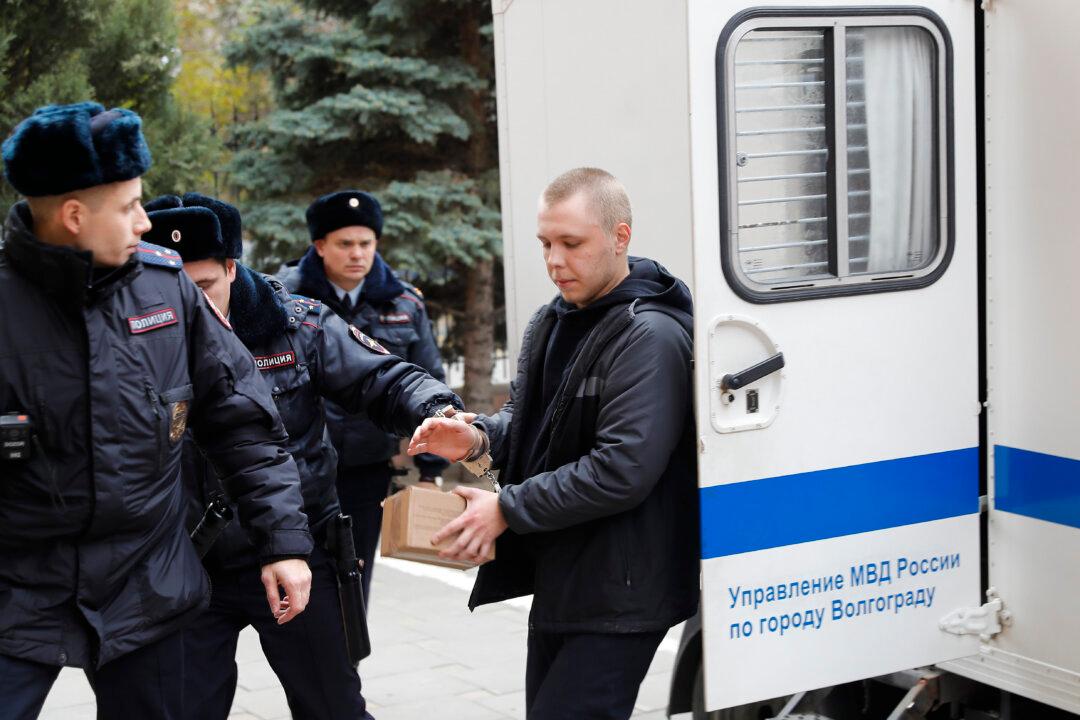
(836, 341)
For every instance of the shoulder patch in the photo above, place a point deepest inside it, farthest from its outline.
(367, 342)
(156, 255)
(217, 312)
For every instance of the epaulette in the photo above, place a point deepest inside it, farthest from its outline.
(161, 257)
(314, 306)
(299, 307)
(412, 294)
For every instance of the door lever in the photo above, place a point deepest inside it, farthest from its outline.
(735, 381)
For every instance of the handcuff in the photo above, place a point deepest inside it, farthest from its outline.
(478, 460)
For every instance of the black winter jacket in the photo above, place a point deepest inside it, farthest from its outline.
(606, 538)
(392, 312)
(95, 559)
(306, 353)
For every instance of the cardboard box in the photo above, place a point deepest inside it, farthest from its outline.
(412, 516)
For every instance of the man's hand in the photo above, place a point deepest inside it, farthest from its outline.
(478, 526)
(450, 438)
(466, 417)
(294, 577)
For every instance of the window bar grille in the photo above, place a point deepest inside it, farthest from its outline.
(784, 108)
(779, 61)
(765, 37)
(795, 61)
(802, 221)
(794, 83)
(789, 153)
(837, 167)
(797, 176)
(784, 246)
(778, 268)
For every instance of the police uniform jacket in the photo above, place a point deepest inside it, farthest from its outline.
(604, 533)
(307, 354)
(393, 313)
(95, 559)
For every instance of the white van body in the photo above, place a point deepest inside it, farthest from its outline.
(924, 425)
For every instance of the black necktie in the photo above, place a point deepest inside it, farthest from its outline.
(346, 304)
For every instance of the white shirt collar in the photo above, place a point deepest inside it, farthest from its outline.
(354, 294)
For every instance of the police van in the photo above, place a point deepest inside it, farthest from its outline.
(876, 208)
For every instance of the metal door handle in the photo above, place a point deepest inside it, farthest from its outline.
(735, 381)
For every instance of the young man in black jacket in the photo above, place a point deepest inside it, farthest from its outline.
(307, 355)
(109, 352)
(598, 515)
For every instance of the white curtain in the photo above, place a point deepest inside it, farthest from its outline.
(899, 74)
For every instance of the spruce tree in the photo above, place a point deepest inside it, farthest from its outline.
(395, 97)
(121, 53)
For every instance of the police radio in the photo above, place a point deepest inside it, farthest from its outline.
(16, 436)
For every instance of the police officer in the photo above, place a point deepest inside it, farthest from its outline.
(306, 353)
(343, 270)
(109, 352)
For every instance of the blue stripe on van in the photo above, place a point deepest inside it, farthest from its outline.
(1041, 486)
(774, 512)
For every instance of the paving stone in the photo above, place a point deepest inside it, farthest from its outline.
(653, 694)
(499, 678)
(416, 685)
(248, 648)
(71, 712)
(256, 675)
(454, 708)
(509, 704)
(403, 657)
(267, 703)
(70, 689)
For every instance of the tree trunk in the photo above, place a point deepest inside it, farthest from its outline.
(479, 330)
(480, 283)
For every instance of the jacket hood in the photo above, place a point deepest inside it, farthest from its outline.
(256, 312)
(648, 282)
(380, 285)
(674, 296)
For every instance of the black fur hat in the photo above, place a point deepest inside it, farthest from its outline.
(62, 148)
(343, 209)
(228, 216)
(192, 229)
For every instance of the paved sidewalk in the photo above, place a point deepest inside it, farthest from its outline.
(432, 658)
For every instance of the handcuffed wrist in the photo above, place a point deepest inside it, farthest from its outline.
(480, 447)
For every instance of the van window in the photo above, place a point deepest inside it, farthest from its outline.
(834, 134)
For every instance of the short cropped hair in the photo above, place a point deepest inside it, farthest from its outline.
(42, 207)
(606, 194)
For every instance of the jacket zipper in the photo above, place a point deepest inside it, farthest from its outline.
(152, 397)
(89, 408)
(565, 392)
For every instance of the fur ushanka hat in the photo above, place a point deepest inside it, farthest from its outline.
(344, 209)
(196, 226)
(63, 148)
